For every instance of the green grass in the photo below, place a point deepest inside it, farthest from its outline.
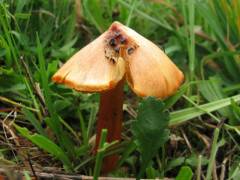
(201, 37)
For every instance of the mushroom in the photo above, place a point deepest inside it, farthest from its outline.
(103, 65)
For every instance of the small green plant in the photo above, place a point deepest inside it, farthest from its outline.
(150, 130)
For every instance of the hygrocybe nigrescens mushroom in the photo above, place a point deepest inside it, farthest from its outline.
(103, 65)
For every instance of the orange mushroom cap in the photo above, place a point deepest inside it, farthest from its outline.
(118, 53)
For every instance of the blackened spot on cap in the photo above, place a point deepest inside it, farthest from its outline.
(112, 60)
(130, 50)
(123, 40)
(117, 49)
(112, 42)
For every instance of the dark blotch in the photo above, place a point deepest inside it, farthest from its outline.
(130, 50)
(112, 42)
(112, 60)
(117, 49)
(123, 40)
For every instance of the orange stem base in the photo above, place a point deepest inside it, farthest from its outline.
(110, 117)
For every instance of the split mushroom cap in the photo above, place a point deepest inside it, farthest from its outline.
(118, 53)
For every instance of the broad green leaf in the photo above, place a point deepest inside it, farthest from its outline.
(185, 173)
(46, 145)
(150, 130)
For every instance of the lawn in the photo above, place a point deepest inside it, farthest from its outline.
(48, 130)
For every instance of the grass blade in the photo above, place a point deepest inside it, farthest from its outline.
(32, 119)
(184, 115)
(47, 145)
(100, 154)
(213, 153)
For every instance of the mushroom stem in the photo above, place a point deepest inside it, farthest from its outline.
(110, 117)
